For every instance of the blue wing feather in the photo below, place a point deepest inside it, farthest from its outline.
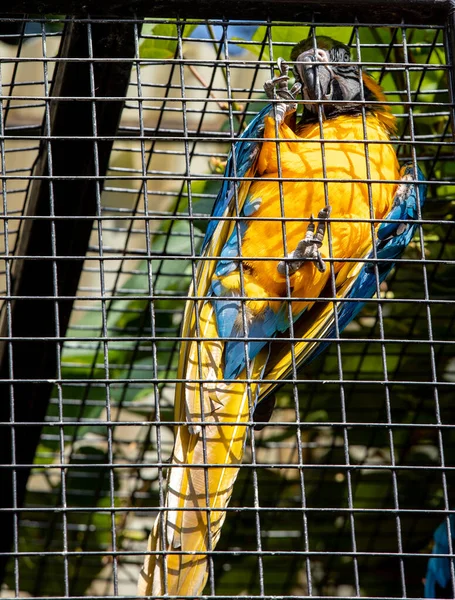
(230, 325)
(235, 351)
(393, 238)
(438, 570)
(394, 234)
(245, 152)
(227, 307)
(230, 252)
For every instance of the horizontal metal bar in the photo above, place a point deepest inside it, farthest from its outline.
(277, 259)
(119, 341)
(190, 178)
(163, 296)
(214, 62)
(235, 552)
(220, 597)
(156, 380)
(195, 217)
(179, 136)
(234, 509)
(276, 423)
(256, 465)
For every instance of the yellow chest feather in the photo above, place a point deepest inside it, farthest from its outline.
(345, 161)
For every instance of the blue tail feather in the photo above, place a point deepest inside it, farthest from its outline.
(438, 579)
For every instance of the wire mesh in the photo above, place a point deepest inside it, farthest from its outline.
(339, 495)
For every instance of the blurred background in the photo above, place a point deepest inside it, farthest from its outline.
(346, 485)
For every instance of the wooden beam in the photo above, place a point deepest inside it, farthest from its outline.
(34, 362)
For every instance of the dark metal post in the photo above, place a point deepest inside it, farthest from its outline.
(369, 11)
(32, 313)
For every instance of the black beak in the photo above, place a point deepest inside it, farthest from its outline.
(316, 75)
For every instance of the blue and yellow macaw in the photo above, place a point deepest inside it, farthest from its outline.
(438, 580)
(253, 289)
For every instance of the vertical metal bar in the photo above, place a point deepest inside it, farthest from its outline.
(55, 293)
(32, 299)
(295, 391)
(429, 318)
(151, 291)
(14, 524)
(198, 306)
(99, 229)
(381, 324)
(343, 403)
(245, 326)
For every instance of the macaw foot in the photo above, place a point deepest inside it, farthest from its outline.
(277, 89)
(308, 248)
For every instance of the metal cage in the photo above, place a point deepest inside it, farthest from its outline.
(115, 126)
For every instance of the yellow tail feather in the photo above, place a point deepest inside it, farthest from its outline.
(197, 495)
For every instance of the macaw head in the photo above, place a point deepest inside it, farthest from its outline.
(342, 83)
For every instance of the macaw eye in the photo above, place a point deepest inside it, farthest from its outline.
(346, 56)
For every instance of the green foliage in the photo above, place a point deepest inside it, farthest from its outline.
(164, 45)
(87, 488)
(125, 359)
(284, 38)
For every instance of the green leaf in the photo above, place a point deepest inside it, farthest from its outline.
(161, 48)
(286, 37)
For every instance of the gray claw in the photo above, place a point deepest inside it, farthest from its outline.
(277, 88)
(308, 248)
(283, 66)
(295, 89)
